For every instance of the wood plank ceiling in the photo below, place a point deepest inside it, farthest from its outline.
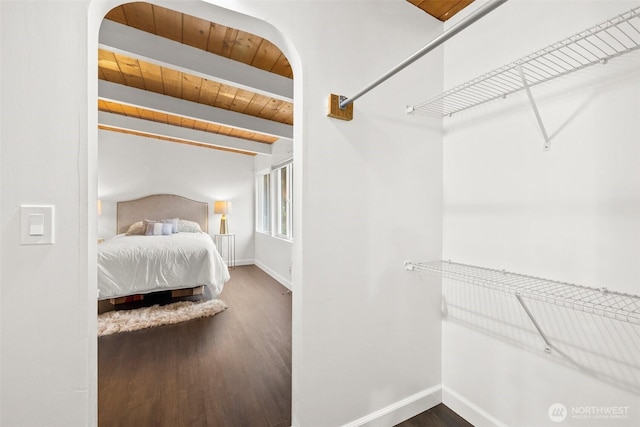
(118, 67)
(210, 37)
(441, 9)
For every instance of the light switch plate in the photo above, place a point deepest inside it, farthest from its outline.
(37, 224)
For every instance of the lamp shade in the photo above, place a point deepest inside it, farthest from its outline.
(222, 207)
(99, 207)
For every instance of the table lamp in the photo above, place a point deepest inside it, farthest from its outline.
(224, 208)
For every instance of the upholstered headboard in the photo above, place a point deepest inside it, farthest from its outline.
(162, 206)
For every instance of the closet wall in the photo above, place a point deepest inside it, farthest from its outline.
(366, 334)
(570, 214)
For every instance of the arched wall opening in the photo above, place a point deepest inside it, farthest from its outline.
(225, 13)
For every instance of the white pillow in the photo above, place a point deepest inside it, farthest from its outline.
(173, 222)
(186, 226)
(159, 228)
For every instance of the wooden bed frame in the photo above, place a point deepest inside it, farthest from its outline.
(157, 207)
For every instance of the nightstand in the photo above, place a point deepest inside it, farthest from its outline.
(226, 244)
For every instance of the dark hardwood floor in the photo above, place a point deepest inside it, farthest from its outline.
(438, 416)
(232, 369)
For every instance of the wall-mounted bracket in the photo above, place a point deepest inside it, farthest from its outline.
(547, 143)
(548, 346)
(341, 102)
(338, 112)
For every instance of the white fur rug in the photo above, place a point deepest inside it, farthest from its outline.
(116, 321)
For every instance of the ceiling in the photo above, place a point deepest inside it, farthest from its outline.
(144, 91)
(176, 77)
(441, 9)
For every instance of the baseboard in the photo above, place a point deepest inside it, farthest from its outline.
(468, 410)
(284, 282)
(401, 410)
(241, 262)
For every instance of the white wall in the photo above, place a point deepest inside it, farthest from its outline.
(274, 255)
(366, 333)
(1, 228)
(131, 166)
(570, 214)
(48, 305)
(281, 150)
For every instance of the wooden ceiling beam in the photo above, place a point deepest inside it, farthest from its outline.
(122, 94)
(135, 43)
(117, 121)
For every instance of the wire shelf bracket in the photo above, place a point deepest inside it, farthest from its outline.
(547, 141)
(595, 45)
(601, 302)
(548, 346)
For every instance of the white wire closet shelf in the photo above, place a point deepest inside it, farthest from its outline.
(601, 302)
(594, 45)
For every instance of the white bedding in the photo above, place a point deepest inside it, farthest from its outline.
(129, 265)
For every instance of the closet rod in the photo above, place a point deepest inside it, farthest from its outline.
(446, 35)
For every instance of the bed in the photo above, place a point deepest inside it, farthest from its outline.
(162, 245)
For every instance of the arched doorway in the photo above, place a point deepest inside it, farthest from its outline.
(202, 11)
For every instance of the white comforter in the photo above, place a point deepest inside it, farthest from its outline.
(129, 265)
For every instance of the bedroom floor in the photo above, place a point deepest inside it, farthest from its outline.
(232, 369)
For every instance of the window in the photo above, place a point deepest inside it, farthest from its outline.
(282, 178)
(263, 203)
(274, 201)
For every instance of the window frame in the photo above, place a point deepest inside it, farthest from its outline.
(263, 225)
(279, 201)
(282, 205)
